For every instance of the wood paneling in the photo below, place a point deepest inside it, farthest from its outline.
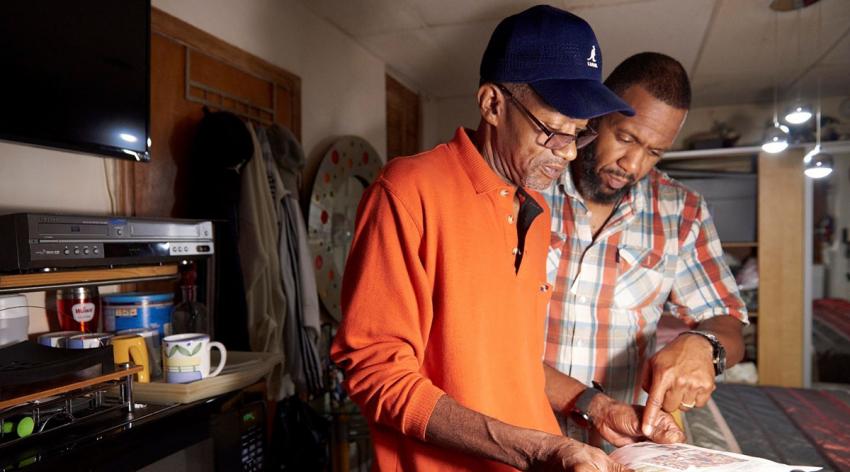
(403, 120)
(781, 262)
(239, 81)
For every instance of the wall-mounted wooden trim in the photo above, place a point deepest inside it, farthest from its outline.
(156, 188)
(180, 31)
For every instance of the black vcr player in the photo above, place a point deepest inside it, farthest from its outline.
(32, 242)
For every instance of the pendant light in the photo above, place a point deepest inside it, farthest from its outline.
(799, 112)
(818, 163)
(776, 136)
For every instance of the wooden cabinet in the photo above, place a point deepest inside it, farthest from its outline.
(782, 269)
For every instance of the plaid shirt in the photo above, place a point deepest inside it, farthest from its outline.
(659, 251)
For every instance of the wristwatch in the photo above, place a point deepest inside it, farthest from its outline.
(718, 353)
(579, 413)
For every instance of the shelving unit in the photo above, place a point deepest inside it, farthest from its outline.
(740, 245)
(75, 278)
(718, 165)
(781, 229)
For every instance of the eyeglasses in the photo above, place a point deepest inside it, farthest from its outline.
(555, 140)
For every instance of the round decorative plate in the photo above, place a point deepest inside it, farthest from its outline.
(347, 168)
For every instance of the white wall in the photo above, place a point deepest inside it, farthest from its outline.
(443, 116)
(748, 119)
(33, 178)
(838, 205)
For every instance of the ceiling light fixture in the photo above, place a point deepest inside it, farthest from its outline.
(776, 136)
(799, 113)
(818, 164)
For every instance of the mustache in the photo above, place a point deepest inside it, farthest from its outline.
(620, 174)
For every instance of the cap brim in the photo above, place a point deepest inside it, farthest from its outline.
(581, 99)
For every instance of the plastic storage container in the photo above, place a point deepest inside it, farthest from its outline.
(14, 319)
(138, 310)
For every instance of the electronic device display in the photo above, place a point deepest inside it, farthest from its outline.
(76, 75)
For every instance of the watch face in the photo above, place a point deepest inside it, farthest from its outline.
(720, 366)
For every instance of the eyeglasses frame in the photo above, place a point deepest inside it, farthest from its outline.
(581, 139)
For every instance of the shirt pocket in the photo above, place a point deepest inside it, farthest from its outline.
(640, 275)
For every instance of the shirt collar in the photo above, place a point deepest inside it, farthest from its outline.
(484, 179)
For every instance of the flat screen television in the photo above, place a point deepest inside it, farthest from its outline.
(75, 75)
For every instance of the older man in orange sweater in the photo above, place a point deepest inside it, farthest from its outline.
(445, 291)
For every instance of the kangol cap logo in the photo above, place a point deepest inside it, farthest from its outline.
(591, 60)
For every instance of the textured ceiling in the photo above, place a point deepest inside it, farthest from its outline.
(727, 46)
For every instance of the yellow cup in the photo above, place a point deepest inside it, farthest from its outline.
(132, 346)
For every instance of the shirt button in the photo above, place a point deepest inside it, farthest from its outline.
(510, 219)
(515, 251)
(504, 192)
(582, 299)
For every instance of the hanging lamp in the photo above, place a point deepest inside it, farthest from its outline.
(776, 136)
(799, 112)
(818, 164)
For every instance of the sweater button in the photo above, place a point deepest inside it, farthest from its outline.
(510, 219)
(515, 251)
(504, 192)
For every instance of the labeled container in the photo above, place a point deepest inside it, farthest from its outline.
(14, 319)
(78, 309)
(138, 310)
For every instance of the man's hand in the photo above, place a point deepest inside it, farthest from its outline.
(567, 455)
(678, 377)
(619, 423)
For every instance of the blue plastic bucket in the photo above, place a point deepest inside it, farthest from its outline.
(138, 310)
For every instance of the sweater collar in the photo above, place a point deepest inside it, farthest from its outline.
(484, 179)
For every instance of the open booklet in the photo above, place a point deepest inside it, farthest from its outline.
(651, 457)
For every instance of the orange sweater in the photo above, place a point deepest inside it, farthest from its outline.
(432, 305)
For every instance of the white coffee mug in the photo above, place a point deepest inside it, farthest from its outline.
(186, 357)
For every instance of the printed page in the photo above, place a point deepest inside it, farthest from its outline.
(651, 457)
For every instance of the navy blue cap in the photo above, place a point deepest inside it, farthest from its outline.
(557, 54)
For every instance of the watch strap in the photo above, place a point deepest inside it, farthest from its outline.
(579, 412)
(718, 353)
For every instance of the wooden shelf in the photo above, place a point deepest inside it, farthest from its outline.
(73, 278)
(734, 245)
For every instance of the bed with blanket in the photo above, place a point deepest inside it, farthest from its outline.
(831, 340)
(788, 425)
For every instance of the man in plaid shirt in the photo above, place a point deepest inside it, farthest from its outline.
(628, 243)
